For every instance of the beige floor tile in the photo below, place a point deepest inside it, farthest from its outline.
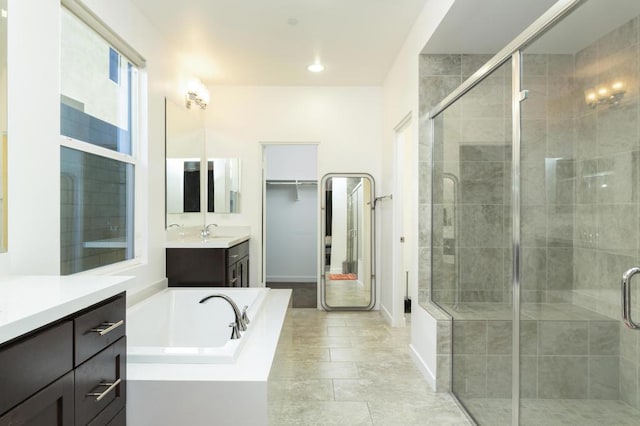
(313, 370)
(398, 369)
(351, 368)
(366, 355)
(381, 390)
(440, 413)
(320, 413)
(296, 353)
(300, 390)
(322, 341)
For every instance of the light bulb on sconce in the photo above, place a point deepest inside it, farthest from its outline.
(197, 93)
(610, 94)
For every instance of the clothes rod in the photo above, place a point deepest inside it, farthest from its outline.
(292, 182)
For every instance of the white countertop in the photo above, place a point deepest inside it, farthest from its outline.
(196, 241)
(29, 302)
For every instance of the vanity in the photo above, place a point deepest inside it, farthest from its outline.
(63, 350)
(211, 262)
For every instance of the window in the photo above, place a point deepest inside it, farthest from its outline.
(97, 157)
(114, 65)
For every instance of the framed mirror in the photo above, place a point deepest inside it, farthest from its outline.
(347, 253)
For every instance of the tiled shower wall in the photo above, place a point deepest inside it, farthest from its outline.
(478, 132)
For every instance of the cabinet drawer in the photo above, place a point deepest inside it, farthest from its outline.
(53, 405)
(98, 328)
(28, 365)
(96, 389)
(236, 253)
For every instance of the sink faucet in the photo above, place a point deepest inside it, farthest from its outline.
(240, 323)
(205, 231)
(177, 225)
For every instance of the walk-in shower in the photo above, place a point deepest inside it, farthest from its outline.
(536, 216)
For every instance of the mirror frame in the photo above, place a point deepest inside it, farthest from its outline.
(321, 252)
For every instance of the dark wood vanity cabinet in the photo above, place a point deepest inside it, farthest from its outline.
(208, 267)
(71, 372)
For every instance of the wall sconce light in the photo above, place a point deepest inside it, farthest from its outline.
(197, 93)
(610, 94)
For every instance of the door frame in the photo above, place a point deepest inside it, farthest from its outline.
(400, 197)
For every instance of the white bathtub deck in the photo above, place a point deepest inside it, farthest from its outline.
(203, 394)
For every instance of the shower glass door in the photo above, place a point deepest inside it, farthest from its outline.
(580, 218)
(472, 242)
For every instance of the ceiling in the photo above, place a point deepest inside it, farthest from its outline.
(472, 26)
(271, 42)
(486, 26)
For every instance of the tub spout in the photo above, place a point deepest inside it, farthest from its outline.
(240, 324)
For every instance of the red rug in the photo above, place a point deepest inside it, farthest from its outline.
(338, 277)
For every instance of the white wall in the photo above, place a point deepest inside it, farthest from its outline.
(34, 153)
(292, 244)
(291, 162)
(346, 122)
(291, 223)
(400, 97)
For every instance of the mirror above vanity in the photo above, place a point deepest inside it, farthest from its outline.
(190, 192)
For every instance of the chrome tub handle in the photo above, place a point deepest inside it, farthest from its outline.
(626, 298)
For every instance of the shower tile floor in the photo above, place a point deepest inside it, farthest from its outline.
(537, 412)
(350, 368)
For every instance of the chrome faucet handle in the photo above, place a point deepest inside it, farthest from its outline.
(235, 333)
(205, 231)
(245, 317)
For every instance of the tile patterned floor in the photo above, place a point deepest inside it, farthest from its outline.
(558, 412)
(350, 368)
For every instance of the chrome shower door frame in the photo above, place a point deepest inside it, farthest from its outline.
(512, 52)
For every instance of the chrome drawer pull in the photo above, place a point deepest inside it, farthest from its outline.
(233, 256)
(107, 327)
(101, 395)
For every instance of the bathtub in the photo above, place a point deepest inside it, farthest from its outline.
(182, 368)
(173, 327)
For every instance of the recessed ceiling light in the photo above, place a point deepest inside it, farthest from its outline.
(317, 67)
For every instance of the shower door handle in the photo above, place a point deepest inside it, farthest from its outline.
(626, 298)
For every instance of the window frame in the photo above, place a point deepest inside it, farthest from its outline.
(125, 52)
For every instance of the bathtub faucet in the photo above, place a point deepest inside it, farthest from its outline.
(240, 323)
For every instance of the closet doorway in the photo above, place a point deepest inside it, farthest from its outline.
(290, 220)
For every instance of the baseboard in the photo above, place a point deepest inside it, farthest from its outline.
(422, 366)
(292, 279)
(386, 315)
(389, 318)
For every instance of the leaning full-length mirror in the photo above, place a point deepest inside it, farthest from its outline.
(347, 244)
